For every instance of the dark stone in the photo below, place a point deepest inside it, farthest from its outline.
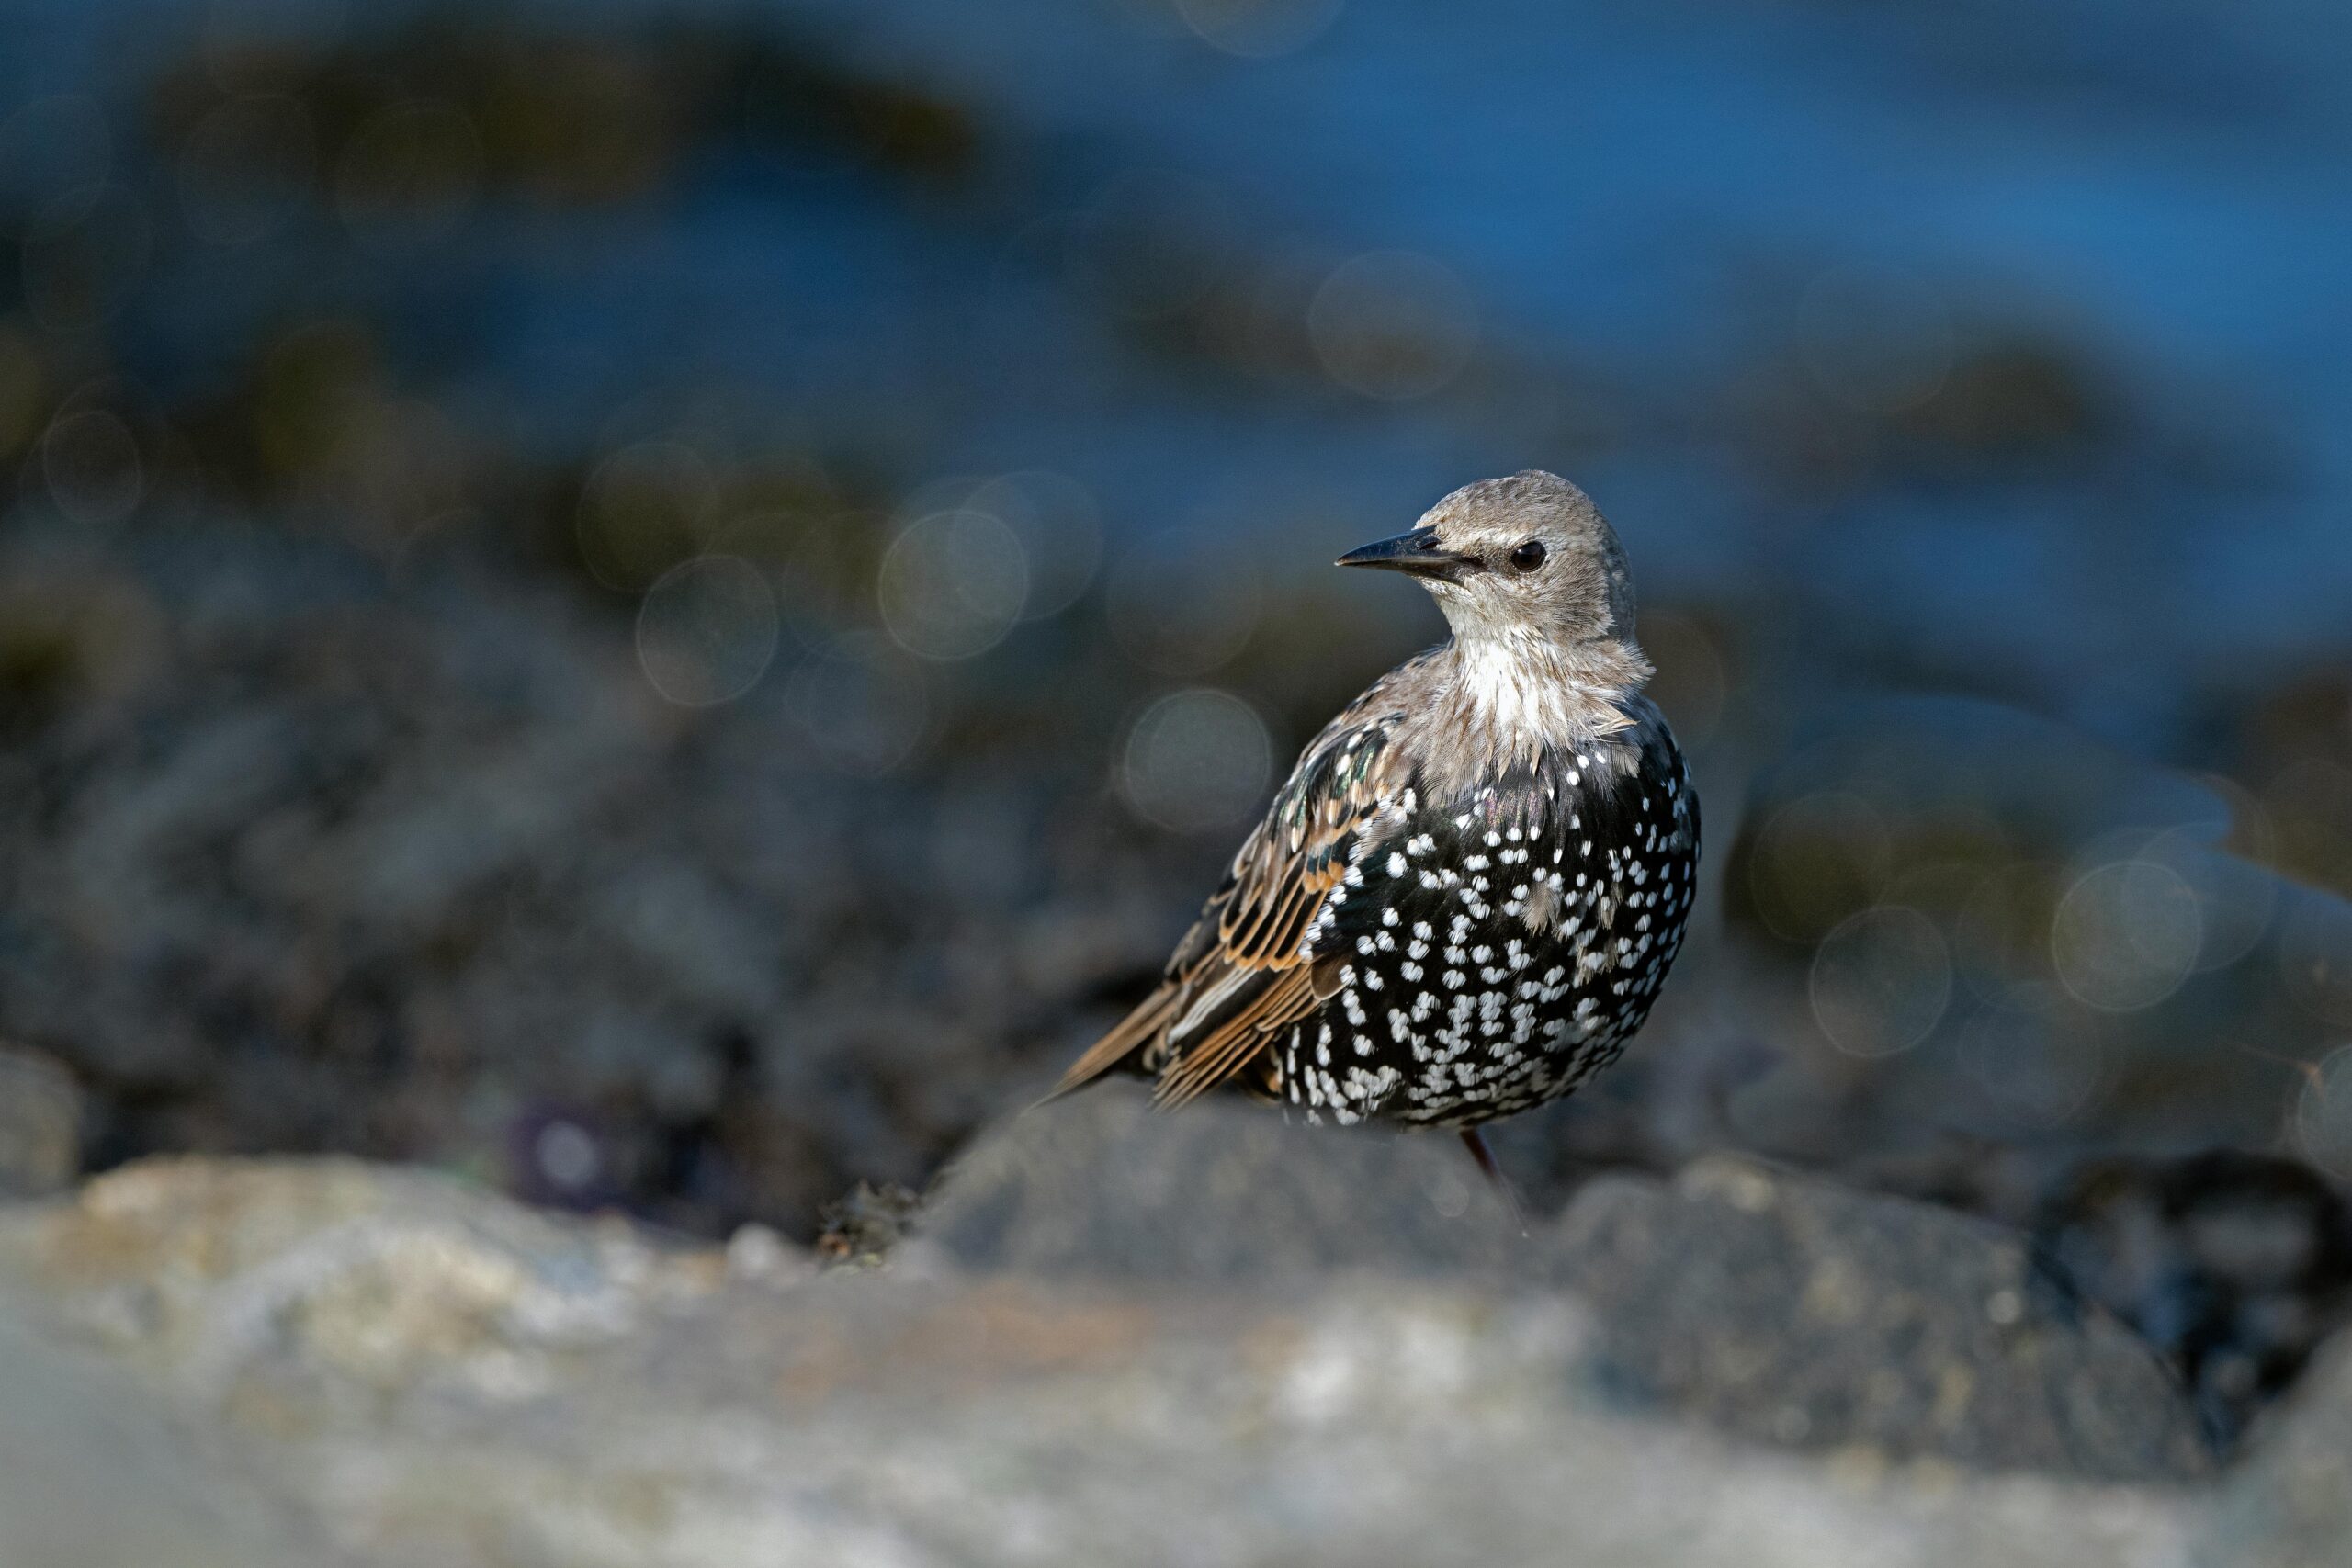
(2236, 1266)
(1812, 1316)
(1102, 1185)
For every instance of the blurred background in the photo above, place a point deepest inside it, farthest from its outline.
(669, 604)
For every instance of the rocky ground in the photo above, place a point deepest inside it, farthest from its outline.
(1108, 1338)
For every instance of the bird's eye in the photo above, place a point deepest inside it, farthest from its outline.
(1528, 557)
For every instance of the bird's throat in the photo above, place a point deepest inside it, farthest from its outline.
(1513, 695)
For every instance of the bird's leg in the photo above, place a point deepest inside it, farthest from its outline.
(1475, 1142)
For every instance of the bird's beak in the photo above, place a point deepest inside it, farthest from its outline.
(1415, 552)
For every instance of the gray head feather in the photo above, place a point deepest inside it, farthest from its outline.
(1542, 654)
(1580, 591)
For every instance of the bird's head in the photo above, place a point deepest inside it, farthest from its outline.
(1527, 561)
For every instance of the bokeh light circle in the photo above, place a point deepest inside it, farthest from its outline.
(2001, 932)
(1393, 325)
(2315, 957)
(825, 581)
(567, 1156)
(707, 631)
(642, 510)
(2236, 899)
(863, 706)
(1052, 515)
(1196, 760)
(2039, 1073)
(1881, 981)
(953, 584)
(1817, 859)
(1258, 29)
(2323, 1114)
(2126, 935)
(90, 463)
(1060, 530)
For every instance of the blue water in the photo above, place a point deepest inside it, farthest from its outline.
(1636, 196)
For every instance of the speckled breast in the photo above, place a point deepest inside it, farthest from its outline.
(1498, 949)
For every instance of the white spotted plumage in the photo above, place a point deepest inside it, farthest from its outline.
(1400, 939)
(1522, 1010)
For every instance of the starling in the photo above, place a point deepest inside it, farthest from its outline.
(1462, 900)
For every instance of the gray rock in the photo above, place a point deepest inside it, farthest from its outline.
(95, 1472)
(1786, 1312)
(1102, 1185)
(1801, 1313)
(269, 1280)
(2289, 1504)
(427, 1374)
(41, 1125)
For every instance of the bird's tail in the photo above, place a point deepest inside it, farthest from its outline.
(1130, 1034)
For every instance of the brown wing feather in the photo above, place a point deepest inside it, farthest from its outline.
(1129, 1035)
(1224, 1052)
(1244, 971)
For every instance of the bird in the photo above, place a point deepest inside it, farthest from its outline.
(1462, 900)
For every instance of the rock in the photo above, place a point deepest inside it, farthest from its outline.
(248, 1280)
(2288, 1505)
(423, 1373)
(1785, 1312)
(41, 1125)
(1796, 1313)
(1100, 1185)
(2234, 1265)
(94, 1471)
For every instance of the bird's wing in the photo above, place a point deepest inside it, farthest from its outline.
(1251, 966)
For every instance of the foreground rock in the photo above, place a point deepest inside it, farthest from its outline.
(1783, 1311)
(2290, 1505)
(94, 1471)
(1796, 1313)
(401, 1370)
(1104, 1186)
